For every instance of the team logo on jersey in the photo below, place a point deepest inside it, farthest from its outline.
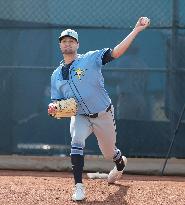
(79, 73)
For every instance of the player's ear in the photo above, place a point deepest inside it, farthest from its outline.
(78, 45)
(59, 44)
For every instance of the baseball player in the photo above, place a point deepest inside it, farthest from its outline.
(80, 77)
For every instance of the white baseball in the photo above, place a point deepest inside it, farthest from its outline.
(144, 21)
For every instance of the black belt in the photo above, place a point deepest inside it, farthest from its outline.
(96, 114)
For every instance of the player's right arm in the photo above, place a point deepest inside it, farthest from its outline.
(120, 49)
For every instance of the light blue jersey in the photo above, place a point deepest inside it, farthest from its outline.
(85, 84)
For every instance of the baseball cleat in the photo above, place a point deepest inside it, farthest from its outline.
(114, 174)
(79, 192)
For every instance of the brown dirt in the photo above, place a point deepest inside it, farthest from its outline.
(49, 188)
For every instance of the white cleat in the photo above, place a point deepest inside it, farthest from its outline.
(114, 174)
(79, 192)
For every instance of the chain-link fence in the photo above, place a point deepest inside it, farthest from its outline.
(91, 13)
(146, 84)
(30, 24)
(147, 106)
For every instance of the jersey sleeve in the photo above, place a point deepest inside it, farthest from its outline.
(55, 94)
(107, 57)
(104, 56)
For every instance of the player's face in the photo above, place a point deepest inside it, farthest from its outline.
(69, 45)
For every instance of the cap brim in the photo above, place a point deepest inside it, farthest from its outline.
(60, 38)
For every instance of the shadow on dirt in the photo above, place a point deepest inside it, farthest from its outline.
(117, 198)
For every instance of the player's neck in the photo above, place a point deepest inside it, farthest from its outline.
(69, 58)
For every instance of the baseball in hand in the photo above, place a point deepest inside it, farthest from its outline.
(144, 21)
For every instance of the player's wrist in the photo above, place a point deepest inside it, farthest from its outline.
(136, 30)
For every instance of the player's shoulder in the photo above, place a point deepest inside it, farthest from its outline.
(92, 53)
(85, 56)
(89, 53)
(56, 71)
(98, 51)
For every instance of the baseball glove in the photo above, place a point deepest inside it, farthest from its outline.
(64, 108)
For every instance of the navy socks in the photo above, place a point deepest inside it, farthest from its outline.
(77, 166)
(120, 164)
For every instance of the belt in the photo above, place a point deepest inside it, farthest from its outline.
(96, 114)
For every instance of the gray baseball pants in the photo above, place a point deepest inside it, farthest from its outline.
(102, 126)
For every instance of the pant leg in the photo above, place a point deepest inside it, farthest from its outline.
(80, 129)
(105, 130)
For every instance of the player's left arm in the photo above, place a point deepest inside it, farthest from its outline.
(120, 49)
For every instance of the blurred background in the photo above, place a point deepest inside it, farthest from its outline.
(146, 85)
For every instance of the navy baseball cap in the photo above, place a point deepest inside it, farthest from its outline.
(69, 32)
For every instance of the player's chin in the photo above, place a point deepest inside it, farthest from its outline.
(68, 51)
